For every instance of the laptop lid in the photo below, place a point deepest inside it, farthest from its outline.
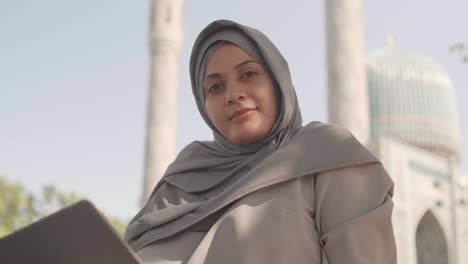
(77, 234)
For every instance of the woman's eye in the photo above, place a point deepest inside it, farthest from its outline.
(215, 87)
(248, 74)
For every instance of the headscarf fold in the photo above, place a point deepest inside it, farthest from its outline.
(208, 176)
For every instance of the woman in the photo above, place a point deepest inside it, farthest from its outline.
(266, 190)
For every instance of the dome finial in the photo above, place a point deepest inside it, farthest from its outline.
(389, 39)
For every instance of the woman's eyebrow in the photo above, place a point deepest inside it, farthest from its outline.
(213, 76)
(216, 75)
(244, 62)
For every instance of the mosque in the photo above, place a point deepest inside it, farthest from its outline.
(414, 131)
(398, 103)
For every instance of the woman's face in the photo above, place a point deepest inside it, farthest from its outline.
(240, 97)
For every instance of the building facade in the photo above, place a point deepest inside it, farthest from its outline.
(415, 132)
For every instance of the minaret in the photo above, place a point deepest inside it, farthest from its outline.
(165, 39)
(348, 102)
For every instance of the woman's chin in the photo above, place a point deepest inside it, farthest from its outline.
(247, 137)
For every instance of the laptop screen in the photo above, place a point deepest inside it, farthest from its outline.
(77, 234)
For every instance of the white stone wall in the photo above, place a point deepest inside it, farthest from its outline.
(421, 184)
(462, 214)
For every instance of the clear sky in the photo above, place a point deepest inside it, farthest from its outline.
(74, 79)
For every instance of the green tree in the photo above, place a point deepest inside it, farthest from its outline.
(462, 49)
(19, 207)
(16, 207)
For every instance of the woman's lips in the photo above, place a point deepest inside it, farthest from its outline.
(241, 112)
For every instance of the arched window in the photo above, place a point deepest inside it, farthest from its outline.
(431, 244)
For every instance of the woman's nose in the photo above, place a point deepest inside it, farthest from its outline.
(234, 93)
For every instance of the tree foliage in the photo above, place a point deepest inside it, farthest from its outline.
(461, 49)
(20, 207)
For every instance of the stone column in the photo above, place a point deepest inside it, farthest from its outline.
(165, 39)
(348, 102)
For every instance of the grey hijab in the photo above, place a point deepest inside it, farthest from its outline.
(262, 49)
(208, 176)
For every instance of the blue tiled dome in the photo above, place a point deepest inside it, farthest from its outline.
(412, 99)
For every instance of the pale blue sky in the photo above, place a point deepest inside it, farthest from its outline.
(74, 77)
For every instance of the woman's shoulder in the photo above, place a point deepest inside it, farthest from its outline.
(325, 130)
(331, 144)
(318, 133)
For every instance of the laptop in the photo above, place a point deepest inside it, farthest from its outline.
(77, 234)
